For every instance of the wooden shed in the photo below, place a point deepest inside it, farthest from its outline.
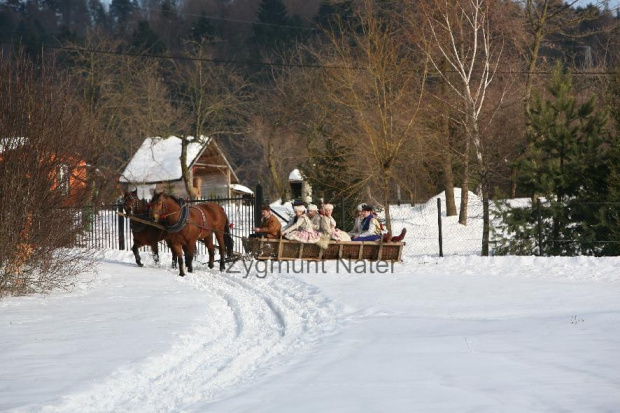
(157, 166)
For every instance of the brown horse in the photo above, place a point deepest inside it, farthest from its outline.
(144, 234)
(187, 224)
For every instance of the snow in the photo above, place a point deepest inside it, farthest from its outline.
(241, 188)
(7, 144)
(157, 160)
(459, 333)
(295, 176)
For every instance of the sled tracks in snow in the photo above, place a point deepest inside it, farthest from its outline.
(255, 324)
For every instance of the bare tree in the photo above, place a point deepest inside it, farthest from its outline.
(213, 95)
(375, 81)
(125, 95)
(461, 33)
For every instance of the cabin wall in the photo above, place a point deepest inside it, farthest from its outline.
(214, 185)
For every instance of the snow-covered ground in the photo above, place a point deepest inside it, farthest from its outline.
(456, 334)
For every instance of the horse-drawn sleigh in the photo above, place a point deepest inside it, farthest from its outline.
(283, 249)
(180, 225)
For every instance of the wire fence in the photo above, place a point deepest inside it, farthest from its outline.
(516, 227)
(105, 229)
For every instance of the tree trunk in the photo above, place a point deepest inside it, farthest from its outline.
(386, 202)
(449, 185)
(445, 156)
(513, 182)
(465, 186)
(271, 161)
(464, 197)
(486, 227)
(185, 170)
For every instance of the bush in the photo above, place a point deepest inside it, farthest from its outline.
(43, 144)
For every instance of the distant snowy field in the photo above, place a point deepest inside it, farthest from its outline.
(456, 334)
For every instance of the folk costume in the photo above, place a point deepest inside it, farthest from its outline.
(328, 226)
(357, 225)
(315, 218)
(300, 228)
(370, 228)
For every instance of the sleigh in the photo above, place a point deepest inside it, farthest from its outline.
(283, 249)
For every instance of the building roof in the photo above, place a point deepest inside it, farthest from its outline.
(157, 160)
(241, 188)
(295, 176)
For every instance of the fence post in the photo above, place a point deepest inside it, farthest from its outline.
(540, 237)
(439, 223)
(258, 202)
(121, 229)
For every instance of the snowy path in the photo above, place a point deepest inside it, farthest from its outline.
(252, 325)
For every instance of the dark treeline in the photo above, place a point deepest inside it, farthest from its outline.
(287, 84)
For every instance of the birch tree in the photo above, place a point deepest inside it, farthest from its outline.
(461, 37)
(375, 82)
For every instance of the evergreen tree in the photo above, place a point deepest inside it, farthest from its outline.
(274, 28)
(121, 12)
(565, 144)
(329, 173)
(330, 13)
(98, 15)
(202, 29)
(145, 39)
(568, 162)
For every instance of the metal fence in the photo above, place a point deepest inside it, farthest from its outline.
(105, 229)
(516, 226)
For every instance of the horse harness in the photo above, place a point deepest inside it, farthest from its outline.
(184, 220)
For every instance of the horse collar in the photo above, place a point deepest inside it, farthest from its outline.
(181, 222)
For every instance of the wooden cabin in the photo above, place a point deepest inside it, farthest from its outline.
(156, 166)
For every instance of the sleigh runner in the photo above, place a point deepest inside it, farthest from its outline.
(283, 249)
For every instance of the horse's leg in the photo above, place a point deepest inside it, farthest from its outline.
(136, 254)
(220, 240)
(178, 251)
(155, 249)
(209, 243)
(174, 255)
(189, 256)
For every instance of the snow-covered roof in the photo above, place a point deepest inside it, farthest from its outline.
(295, 176)
(157, 160)
(241, 188)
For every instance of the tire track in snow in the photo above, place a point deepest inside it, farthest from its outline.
(255, 324)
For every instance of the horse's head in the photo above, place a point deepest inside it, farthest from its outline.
(131, 202)
(158, 205)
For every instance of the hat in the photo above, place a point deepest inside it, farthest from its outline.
(360, 206)
(299, 208)
(328, 207)
(367, 207)
(312, 207)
